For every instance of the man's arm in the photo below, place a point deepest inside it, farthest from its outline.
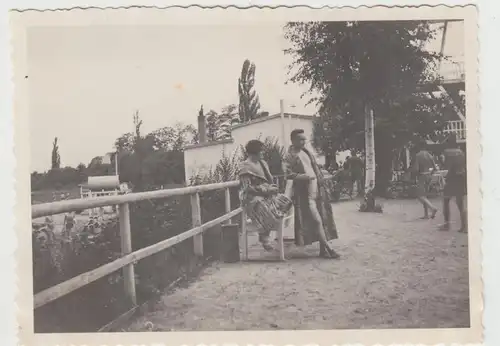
(433, 162)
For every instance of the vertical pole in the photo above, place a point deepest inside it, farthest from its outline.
(281, 240)
(244, 235)
(126, 247)
(282, 113)
(116, 163)
(227, 200)
(196, 220)
(443, 41)
(370, 150)
(407, 157)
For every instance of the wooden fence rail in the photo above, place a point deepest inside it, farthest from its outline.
(129, 258)
(53, 208)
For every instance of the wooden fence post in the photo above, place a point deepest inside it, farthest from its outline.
(244, 235)
(227, 200)
(126, 247)
(196, 220)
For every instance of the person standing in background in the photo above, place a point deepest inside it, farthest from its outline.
(456, 183)
(355, 166)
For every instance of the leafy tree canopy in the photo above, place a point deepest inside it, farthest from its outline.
(249, 100)
(384, 64)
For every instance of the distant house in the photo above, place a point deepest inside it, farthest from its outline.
(199, 158)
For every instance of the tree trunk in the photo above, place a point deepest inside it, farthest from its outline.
(369, 200)
(328, 161)
(369, 150)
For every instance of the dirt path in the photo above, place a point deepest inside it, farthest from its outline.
(396, 272)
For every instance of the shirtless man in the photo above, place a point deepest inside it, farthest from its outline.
(424, 166)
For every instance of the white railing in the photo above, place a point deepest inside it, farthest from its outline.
(452, 71)
(129, 258)
(458, 128)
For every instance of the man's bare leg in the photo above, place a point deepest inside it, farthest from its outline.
(428, 205)
(446, 213)
(324, 249)
(463, 213)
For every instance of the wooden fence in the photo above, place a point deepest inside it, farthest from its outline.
(129, 258)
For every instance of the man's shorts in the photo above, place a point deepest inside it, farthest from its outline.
(456, 186)
(423, 182)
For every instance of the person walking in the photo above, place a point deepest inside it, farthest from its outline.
(424, 166)
(456, 183)
(355, 166)
(313, 212)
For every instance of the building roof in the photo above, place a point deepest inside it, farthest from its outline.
(208, 144)
(239, 125)
(271, 117)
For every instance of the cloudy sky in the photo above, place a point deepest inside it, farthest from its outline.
(86, 82)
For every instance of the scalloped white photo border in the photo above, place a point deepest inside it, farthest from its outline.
(490, 192)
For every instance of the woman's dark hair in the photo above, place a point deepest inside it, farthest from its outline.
(254, 147)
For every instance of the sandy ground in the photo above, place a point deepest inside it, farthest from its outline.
(396, 271)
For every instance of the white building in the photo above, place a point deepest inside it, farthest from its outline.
(199, 158)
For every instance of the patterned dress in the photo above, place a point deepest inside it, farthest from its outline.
(261, 200)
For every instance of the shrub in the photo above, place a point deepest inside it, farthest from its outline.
(58, 257)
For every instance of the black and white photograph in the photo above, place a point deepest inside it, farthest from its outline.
(196, 170)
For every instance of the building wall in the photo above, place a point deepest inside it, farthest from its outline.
(271, 128)
(199, 158)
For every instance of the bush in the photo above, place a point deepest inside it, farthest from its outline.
(58, 256)
(57, 178)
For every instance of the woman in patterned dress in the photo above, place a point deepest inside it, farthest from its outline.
(259, 196)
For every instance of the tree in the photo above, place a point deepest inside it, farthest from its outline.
(97, 168)
(137, 125)
(148, 161)
(125, 142)
(249, 100)
(356, 68)
(213, 120)
(82, 171)
(184, 135)
(219, 124)
(56, 158)
(163, 168)
(229, 117)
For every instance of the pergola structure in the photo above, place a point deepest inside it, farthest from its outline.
(450, 84)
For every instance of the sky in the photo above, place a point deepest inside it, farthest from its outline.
(85, 83)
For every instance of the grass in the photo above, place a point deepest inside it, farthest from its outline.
(47, 195)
